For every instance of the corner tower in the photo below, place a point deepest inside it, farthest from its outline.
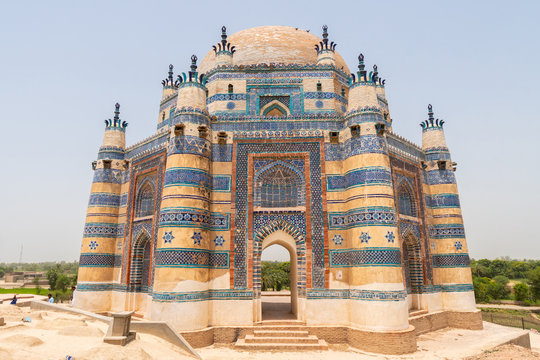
(101, 258)
(183, 237)
(450, 259)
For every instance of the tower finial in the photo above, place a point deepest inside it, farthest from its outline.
(361, 65)
(116, 111)
(193, 63)
(171, 67)
(223, 35)
(430, 112)
(325, 34)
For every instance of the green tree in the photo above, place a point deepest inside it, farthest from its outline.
(498, 267)
(533, 278)
(480, 285)
(497, 290)
(62, 282)
(521, 292)
(501, 279)
(52, 277)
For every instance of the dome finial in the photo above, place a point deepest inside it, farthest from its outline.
(430, 112)
(361, 65)
(223, 35)
(171, 67)
(193, 63)
(116, 111)
(325, 34)
(224, 45)
(324, 45)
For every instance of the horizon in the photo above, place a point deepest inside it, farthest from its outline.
(67, 64)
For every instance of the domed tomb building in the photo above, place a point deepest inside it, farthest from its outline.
(272, 140)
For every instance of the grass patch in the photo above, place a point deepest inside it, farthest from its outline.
(506, 311)
(27, 291)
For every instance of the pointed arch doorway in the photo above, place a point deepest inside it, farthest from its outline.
(296, 249)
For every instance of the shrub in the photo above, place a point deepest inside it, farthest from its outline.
(521, 292)
(533, 278)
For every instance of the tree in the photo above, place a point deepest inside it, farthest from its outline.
(481, 289)
(62, 282)
(52, 276)
(521, 292)
(533, 278)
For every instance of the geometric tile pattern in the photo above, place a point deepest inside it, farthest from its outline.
(93, 245)
(239, 243)
(193, 217)
(221, 183)
(219, 241)
(365, 257)
(390, 237)
(439, 201)
(187, 144)
(112, 176)
(338, 239)
(187, 177)
(356, 294)
(361, 177)
(99, 260)
(104, 199)
(324, 95)
(204, 295)
(197, 237)
(434, 177)
(364, 237)
(168, 237)
(368, 216)
(458, 245)
(194, 258)
(447, 231)
(105, 230)
(450, 260)
(364, 144)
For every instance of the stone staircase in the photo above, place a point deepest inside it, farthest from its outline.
(280, 336)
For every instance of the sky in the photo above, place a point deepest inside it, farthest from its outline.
(63, 65)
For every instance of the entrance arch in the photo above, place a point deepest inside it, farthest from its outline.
(413, 270)
(281, 233)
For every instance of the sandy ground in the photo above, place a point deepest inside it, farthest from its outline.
(442, 344)
(53, 335)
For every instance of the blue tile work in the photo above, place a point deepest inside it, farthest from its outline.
(337, 240)
(93, 245)
(156, 160)
(222, 152)
(192, 258)
(458, 245)
(403, 148)
(364, 116)
(225, 97)
(368, 216)
(221, 183)
(322, 121)
(324, 95)
(104, 199)
(376, 175)
(100, 260)
(447, 231)
(371, 256)
(450, 260)
(112, 176)
(147, 146)
(390, 237)
(219, 240)
(295, 164)
(190, 145)
(111, 152)
(240, 240)
(168, 237)
(104, 230)
(205, 295)
(193, 217)
(295, 218)
(437, 153)
(186, 177)
(268, 77)
(457, 288)
(256, 92)
(440, 201)
(197, 237)
(264, 169)
(356, 294)
(407, 227)
(434, 177)
(364, 144)
(364, 237)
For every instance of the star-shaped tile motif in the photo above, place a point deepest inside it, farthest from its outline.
(390, 237)
(93, 245)
(364, 237)
(458, 245)
(197, 237)
(338, 239)
(219, 240)
(168, 237)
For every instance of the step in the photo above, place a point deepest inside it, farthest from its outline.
(417, 313)
(281, 322)
(281, 333)
(242, 345)
(310, 339)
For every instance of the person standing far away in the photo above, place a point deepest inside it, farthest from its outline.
(73, 288)
(51, 299)
(14, 300)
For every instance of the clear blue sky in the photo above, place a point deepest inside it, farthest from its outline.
(65, 64)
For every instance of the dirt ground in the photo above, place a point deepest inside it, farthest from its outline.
(506, 352)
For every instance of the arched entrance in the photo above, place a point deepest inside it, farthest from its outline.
(413, 270)
(281, 233)
(140, 270)
(275, 274)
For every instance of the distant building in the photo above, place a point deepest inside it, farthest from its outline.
(272, 140)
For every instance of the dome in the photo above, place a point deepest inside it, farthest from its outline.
(272, 44)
